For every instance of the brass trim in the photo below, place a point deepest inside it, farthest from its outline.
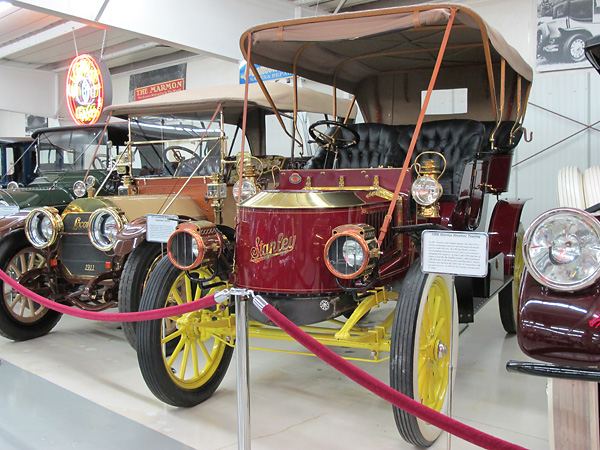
(303, 199)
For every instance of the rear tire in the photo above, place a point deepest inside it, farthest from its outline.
(574, 49)
(22, 319)
(133, 279)
(508, 298)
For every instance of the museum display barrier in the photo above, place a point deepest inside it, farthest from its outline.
(468, 433)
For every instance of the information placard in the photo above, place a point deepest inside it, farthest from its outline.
(160, 227)
(455, 252)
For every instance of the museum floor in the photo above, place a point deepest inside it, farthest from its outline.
(80, 387)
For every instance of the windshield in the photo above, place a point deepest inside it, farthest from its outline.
(63, 151)
(175, 149)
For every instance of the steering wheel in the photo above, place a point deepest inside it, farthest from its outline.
(99, 164)
(176, 149)
(326, 140)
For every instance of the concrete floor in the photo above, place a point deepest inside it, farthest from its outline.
(80, 387)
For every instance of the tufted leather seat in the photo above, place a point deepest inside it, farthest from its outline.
(378, 147)
(459, 140)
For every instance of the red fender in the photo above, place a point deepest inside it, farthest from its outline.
(503, 230)
(12, 222)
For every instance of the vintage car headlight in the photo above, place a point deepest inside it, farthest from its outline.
(562, 249)
(79, 189)
(248, 190)
(426, 190)
(90, 181)
(12, 186)
(43, 226)
(104, 225)
(351, 251)
(192, 243)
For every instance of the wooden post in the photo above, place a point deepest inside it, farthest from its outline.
(573, 414)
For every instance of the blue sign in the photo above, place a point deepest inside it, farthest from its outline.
(265, 74)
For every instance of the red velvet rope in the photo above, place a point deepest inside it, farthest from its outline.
(154, 314)
(384, 391)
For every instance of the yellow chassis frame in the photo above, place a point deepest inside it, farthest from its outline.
(340, 334)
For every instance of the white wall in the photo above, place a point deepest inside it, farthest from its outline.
(28, 91)
(12, 124)
(572, 94)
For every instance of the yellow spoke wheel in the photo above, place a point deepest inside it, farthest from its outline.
(424, 335)
(20, 317)
(183, 359)
(508, 298)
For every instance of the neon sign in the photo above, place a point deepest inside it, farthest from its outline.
(85, 90)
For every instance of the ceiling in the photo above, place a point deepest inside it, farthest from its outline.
(34, 40)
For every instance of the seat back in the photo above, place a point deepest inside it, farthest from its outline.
(378, 147)
(458, 140)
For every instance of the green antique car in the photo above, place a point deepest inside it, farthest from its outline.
(98, 251)
(64, 160)
(17, 160)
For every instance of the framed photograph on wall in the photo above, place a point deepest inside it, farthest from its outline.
(562, 30)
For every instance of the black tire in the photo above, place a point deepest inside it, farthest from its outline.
(22, 319)
(508, 298)
(420, 293)
(133, 279)
(574, 48)
(161, 366)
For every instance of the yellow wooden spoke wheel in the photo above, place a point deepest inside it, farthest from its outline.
(183, 359)
(424, 336)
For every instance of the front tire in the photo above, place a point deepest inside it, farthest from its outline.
(21, 318)
(189, 373)
(135, 274)
(424, 335)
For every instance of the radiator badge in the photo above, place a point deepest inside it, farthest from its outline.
(79, 224)
(264, 250)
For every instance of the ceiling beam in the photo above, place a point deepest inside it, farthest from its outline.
(39, 38)
(199, 26)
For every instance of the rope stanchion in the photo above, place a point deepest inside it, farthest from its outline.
(381, 389)
(206, 302)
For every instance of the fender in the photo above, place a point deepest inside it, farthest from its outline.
(12, 222)
(503, 230)
(134, 233)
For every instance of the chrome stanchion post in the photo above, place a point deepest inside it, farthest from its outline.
(243, 378)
